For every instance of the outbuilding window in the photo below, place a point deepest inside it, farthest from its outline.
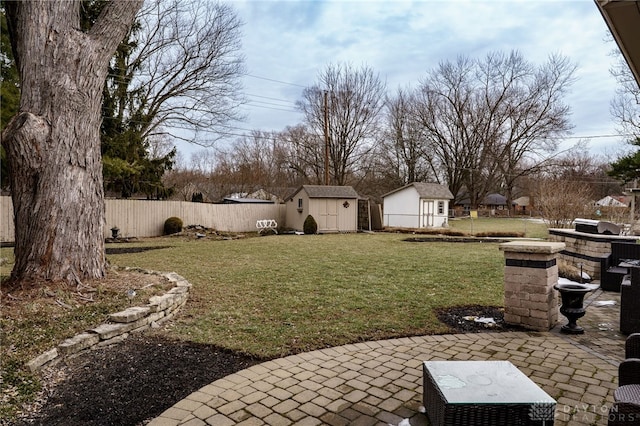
(299, 204)
(440, 207)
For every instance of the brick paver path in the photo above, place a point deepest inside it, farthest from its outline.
(380, 383)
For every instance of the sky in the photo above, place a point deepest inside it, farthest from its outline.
(287, 43)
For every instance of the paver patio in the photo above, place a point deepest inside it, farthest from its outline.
(380, 383)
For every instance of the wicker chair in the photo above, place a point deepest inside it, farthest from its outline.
(632, 346)
(630, 304)
(626, 408)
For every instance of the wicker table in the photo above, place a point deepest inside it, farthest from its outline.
(479, 393)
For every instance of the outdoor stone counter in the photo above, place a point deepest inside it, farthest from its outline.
(588, 250)
(121, 324)
(530, 273)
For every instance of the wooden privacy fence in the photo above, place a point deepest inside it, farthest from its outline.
(145, 218)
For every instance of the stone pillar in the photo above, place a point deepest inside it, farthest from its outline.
(530, 273)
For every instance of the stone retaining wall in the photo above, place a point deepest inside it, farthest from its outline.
(121, 324)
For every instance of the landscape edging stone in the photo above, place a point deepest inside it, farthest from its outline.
(121, 324)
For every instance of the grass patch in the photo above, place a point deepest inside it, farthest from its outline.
(279, 295)
(500, 226)
(268, 296)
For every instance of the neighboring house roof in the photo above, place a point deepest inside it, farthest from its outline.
(522, 201)
(238, 200)
(610, 201)
(326, 191)
(262, 194)
(427, 190)
(495, 200)
(623, 20)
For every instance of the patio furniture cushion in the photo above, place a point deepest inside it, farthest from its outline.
(628, 393)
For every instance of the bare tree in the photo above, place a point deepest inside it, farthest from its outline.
(536, 115)
(305, 155)
(354, 100)
(185, 72)
(53, 142)
(258, 161)
(484, 117)
(404, 155)
(625, 106)
(450, 109)
(560, 201)
(185, 183)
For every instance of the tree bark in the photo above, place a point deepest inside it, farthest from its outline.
(53, 142)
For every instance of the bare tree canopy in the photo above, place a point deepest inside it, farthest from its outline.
(185, 70)
(625, 106)
(403, 153)
(482, 117)
(355, 98)
(53, 142)
(305, 155)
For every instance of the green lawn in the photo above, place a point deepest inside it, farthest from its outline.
(531, 228)
(277, 295)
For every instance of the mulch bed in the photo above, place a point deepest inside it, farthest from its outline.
(134, 381)
(461, 319)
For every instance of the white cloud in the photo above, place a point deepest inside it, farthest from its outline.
(292, 41)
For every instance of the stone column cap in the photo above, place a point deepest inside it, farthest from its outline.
(544, 247)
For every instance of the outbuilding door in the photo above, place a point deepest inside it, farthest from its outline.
(427, 213)
(328, 211)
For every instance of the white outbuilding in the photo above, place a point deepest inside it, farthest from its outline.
(417, 205)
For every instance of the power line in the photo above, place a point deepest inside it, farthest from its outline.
(597, 136)
(253, 104)
(267, 97)
(275, 81)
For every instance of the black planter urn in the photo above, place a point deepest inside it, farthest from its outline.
(572, 295)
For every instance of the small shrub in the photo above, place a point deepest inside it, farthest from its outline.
(172, 225)
(310, 226)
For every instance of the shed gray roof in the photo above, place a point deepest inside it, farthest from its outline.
(327, 191)
(427, 190)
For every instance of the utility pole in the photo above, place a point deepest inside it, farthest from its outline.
(326, 139)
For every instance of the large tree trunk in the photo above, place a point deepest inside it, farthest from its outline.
(53, 143)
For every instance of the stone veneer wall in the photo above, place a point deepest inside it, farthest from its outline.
(530, 273)
(590, 250)
(121, 324)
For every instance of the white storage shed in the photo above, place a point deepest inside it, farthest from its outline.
(417, 205)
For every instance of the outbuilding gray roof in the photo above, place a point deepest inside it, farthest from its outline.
(427, 190)
(327, 191)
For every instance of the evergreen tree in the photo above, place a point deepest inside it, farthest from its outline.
(9, 90)
(627, 168)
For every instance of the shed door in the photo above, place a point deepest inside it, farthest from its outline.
(332, 214)
(328, 210)
(427, 213)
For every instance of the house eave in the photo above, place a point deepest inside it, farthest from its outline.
(623, 20)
